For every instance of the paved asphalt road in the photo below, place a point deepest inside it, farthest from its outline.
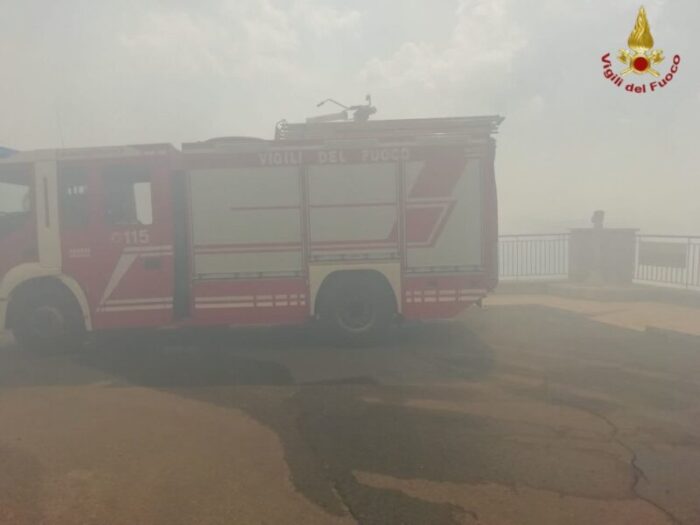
(517, 414)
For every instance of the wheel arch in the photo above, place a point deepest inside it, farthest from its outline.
(25, 276)
(335, 276)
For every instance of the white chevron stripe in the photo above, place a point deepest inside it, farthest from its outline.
(123, 264)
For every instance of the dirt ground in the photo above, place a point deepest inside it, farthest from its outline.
(532, 411)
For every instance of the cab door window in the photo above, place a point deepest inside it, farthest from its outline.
(127, 197)
(15, 200)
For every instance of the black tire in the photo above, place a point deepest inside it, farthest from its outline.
(49, 321)
(357, 310)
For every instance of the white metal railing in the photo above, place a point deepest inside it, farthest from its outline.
(662, 260)
(537, 256)
(668, 260)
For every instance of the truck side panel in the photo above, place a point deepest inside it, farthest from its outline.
(246, 222)
(353, 212)
(443, 215)
(247, 239)
(270, 222)
(446, 207)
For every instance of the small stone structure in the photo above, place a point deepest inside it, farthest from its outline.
(602, 255)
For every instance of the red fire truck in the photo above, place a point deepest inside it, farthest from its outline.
(353, 224)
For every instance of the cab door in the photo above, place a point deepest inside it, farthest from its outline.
(18, 238)
(125, 248)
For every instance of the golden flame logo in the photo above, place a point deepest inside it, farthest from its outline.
(640, 39)
(640, 57)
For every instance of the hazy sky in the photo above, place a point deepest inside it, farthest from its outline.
(93, 72)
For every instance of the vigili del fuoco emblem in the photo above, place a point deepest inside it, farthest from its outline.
(641, 59)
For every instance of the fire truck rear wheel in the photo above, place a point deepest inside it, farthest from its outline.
(48, 321)
(358, 310)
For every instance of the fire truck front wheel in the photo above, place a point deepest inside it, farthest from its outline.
(47, 320)
(357, 309)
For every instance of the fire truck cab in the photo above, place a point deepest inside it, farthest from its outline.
(354, 224)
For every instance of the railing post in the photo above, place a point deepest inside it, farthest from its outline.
(689, 261)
